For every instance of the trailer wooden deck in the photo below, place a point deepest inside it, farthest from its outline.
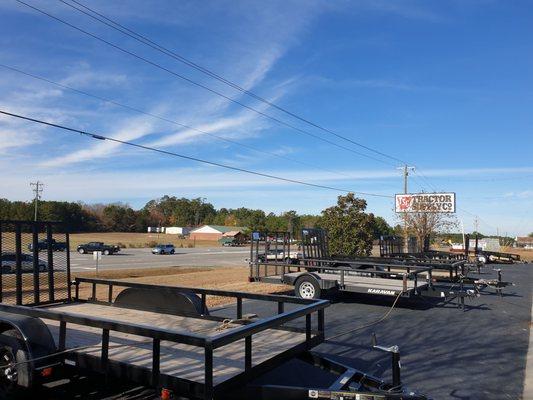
(177, 359)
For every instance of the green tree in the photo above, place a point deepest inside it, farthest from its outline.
(119, 218)
(381, 228)
(350, 229)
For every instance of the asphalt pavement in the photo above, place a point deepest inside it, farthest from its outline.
(143, 258)
(446, 353)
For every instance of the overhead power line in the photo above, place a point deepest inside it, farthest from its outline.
(156, 46)
(171, 153)
(194, 83)
(137, 110)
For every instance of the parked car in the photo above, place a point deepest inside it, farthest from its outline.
(164, 249)
(43, 245)
(9, 263)
(98, 246)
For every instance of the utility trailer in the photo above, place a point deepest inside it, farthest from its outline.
(316, 272)
(456, 265)
(164, 337)
(394, 246)
(488, 257)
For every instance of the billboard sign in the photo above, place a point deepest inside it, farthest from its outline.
(425, 202)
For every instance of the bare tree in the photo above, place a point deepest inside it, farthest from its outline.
(422, 224)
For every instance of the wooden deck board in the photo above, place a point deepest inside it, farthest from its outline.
(177, 359)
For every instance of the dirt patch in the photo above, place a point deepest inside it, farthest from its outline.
(140, 272)
(223, 278)
(525, 255)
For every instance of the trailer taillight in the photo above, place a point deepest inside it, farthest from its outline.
(166, 394)
(45, 373)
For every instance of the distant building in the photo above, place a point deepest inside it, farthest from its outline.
(487, 244)
(177, 230)
(525, 242)
(156, 229)
(214, 232)
(232, 238)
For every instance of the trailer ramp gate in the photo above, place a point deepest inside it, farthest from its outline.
(34, 270)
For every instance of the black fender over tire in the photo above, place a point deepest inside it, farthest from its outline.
(161, 300)
(27, 338)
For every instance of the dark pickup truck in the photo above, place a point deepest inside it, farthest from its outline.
(97, 246)
(43, 245)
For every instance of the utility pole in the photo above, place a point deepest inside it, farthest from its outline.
(405, 171)
(476, 224)
(37, 189)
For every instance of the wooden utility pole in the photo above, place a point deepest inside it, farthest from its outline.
(405, 171)
(37, 189)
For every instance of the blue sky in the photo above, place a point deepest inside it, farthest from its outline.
(445, 85)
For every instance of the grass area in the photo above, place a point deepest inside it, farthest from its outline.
(135, 240)
(223, 278)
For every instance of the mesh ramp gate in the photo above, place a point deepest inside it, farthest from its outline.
(34, 263)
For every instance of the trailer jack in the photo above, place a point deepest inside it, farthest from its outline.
(395, 359)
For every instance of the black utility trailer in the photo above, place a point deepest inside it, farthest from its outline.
(316, 272)
(164, 337)
(456, 265)
(487, 257)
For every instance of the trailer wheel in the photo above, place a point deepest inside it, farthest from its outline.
(307, 287)
(12, 350)
(482, 259)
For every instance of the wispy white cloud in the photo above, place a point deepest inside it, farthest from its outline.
(130, 130)
(524, 194)
(82, 75)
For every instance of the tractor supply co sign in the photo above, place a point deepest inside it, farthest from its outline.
(425, 202)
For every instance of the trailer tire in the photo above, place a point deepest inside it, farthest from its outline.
(13, 349)
(307, 287)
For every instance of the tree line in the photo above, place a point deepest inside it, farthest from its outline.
(171, 211)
